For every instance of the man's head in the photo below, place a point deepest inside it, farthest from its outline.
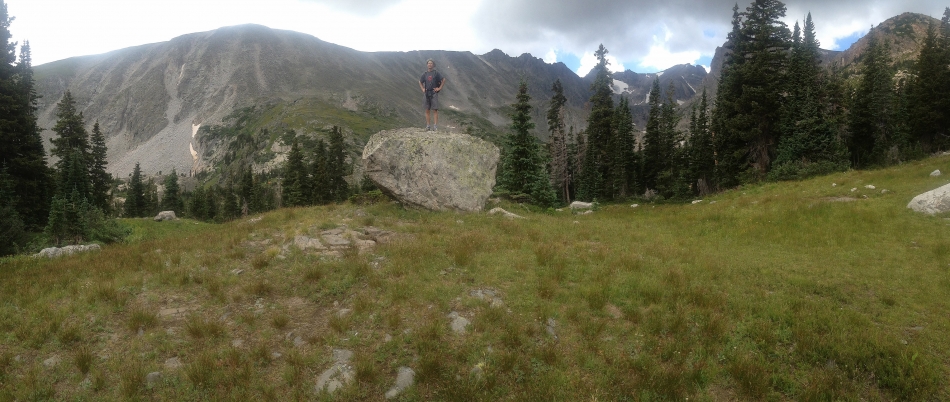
(430, 64)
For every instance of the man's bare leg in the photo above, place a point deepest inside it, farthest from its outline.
(435, 123)
(427, 119)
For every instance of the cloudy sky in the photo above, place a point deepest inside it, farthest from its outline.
(643, 36)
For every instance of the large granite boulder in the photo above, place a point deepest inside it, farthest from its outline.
(932, 202)
(56, 252)
(433, 170)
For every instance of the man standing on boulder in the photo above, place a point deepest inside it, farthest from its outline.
(431, 84)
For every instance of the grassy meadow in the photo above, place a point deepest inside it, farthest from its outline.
(781, 291)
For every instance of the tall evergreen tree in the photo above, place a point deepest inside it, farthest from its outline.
(673, 181)
(230, 210)
(624, 155)
(171, 199)
(246, 191)
(654, 158)
(101, 180)
(295, 185)
(702, 161)
(927, 106)
(338, 190)
(135, 198)
(595, 173)
(70, 130)
(21, 147)
(522, 167)
(319, 179)
(871, 125)
(809, 143)
(751, 90)
(560, 174)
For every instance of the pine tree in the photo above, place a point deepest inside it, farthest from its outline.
(197, 205)
(672, 181)
(702, 161)
(522, 166)
(246, 191)
(211, 204)
(320, 180)
(150, 207)
(809, 144)
(750, 93)
(171, 199)
(21, 147)
(135, 198)
(624, 163)
(230, 210)
(12, 228)
(654, 157)
(101, 180)
(596, 168)
(70, 130)
(927, 113)
(871, 122)
(560, 175)
(295, 187)
(338, 190)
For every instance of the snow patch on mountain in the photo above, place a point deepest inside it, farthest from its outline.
(619, 87)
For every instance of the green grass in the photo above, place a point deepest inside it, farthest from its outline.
(773, 292)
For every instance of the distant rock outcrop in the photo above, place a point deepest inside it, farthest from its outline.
(432, 170)
(932, 202)
(55, 252)
(166, 216)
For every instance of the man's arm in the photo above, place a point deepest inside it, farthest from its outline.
(442, 83)
(422, 87)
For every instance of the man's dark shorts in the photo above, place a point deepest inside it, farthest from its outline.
(431, 101)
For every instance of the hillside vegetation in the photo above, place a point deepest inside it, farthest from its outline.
(789, 291)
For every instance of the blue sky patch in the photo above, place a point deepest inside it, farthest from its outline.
(846, 42)
(570, 60)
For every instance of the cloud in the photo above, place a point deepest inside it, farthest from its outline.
(362, 7)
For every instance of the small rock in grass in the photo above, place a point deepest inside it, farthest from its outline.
(237, 343)
(697, 202)
(834, 184)
(172, 363)
(870, 187)
(550, 327)
(152, 378)
(634, 205)
(52, 361)
(854, 189)
(935, 173)
(478, 371)
(885, 191)
(506, 214)
(587, 212)
(459, 323)
(405, 377)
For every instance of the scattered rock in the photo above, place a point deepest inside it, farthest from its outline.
(334, 238)
(634, 205)
(935, 173)
(166, 216)
(459, 323)
(581, 205)
(405, 377)
(172, 312)
(932, 202)
(697, 202)
(305, 243)
(506, 214)
(870, 187)
(52, 361)
(854, 189)
(432, 170)
(237, 271)
(339, 374)
(712, 202)
(299, 342)
(276, 355)
(378, 235)
(834, 184)
(490, 295)
(152, 378)
(172, 363)
(550, 328)
(56, 252)
(587, 212)
(388, 338)
(343, 312)
(885, 191)
(237, 343)
(255, 220)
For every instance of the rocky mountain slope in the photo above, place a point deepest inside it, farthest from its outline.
(151, 100)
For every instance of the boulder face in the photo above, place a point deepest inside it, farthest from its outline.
(932, 202)
(432, 170)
